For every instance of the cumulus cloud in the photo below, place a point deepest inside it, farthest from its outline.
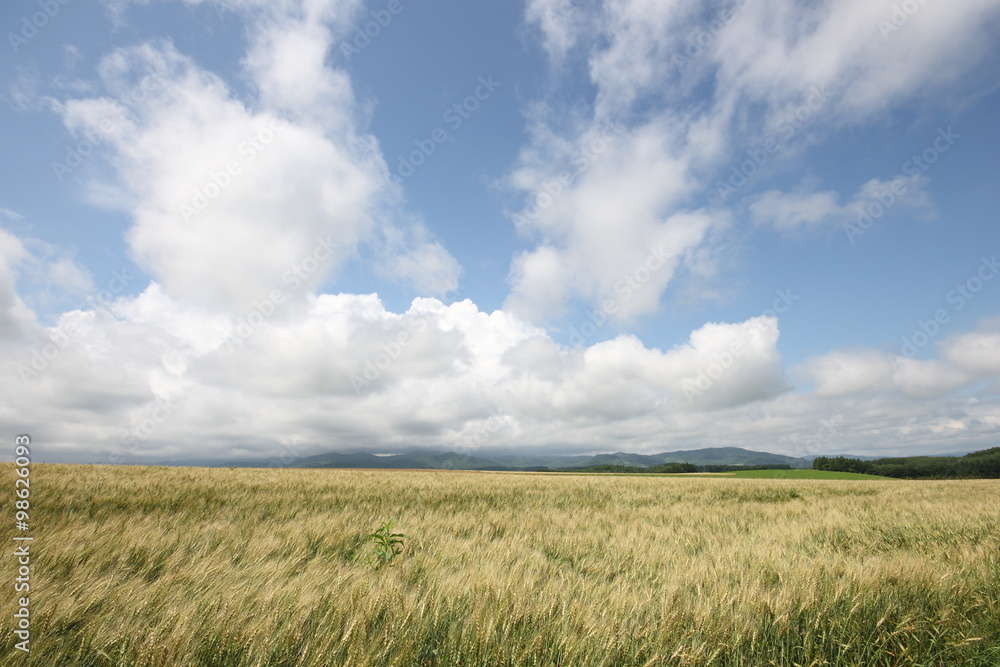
(625, 163)
(606, 219)
(166, 380)
(210, 179)
(161, 373)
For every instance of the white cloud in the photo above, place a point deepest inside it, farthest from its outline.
(771, 52)
(214, 182)
(867, 372)
(412, 256)
(15, 316)
(977, 353)
(758, 63)
(287, 60)
(38, 276)
(927, 377)
(797, 213)
(228, 197)
(167, 380)
(790, 212)
(161, 373)
(606, 210)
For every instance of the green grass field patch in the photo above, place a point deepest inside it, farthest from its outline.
(799, 474)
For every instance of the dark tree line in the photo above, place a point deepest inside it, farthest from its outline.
(982, 464)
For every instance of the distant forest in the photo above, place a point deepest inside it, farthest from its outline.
(983, 464)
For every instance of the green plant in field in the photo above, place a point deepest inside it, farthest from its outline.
(386, 545)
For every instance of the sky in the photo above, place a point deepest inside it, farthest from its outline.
(269, 229)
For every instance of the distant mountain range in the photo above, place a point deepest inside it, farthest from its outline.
(435, 460)
(456, 461)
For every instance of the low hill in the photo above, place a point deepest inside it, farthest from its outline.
(732, 456)
(416, 459)
(729, 456)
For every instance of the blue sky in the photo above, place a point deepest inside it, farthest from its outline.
(546, 226)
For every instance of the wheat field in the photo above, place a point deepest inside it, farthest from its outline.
(185, 566)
